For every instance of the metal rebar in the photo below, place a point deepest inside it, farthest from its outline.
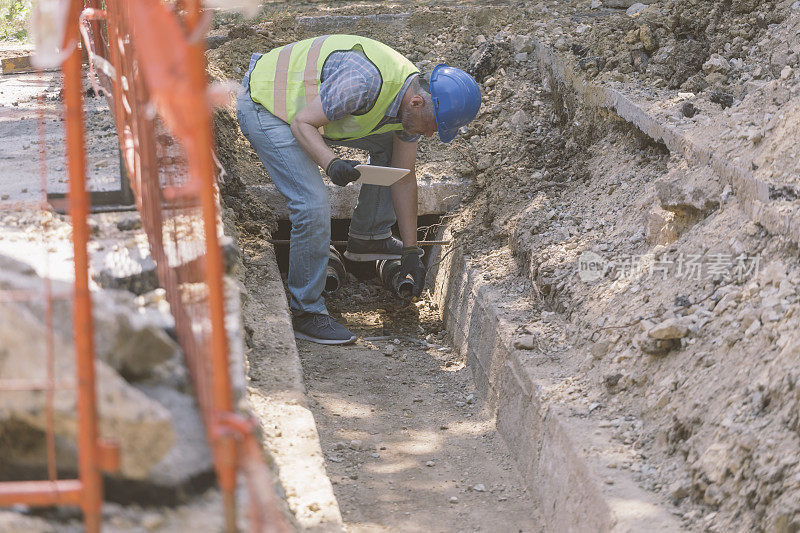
(344, 243)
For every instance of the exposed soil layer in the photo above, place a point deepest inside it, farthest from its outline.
(685, 343)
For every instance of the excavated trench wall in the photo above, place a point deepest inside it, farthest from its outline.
(565, 454)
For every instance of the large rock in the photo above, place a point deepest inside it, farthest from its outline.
(692, 192)
(125, 267)
(671, 328)
(190, 457)
(141, 426)
(128, 337)
(625, 4)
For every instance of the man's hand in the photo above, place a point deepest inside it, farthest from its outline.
(343, 171)
(411, 265)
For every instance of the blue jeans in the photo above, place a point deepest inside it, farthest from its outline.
(298, 178)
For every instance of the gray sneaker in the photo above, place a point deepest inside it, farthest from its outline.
(373, 250)
(320, 328)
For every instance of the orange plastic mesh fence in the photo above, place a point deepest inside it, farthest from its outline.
(49, 379)
(150, 63)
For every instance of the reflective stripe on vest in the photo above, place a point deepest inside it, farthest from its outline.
(286, 79)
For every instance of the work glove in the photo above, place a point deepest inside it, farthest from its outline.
(411, 265)
(342, 171)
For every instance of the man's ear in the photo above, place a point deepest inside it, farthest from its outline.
(417, 101)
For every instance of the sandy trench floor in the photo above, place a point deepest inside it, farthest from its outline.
(407, 443)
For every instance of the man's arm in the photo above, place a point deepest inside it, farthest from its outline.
(404, 190)
(305, 129)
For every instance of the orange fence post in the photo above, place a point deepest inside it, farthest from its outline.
(83, 334)
(202, 169)
(86, 491)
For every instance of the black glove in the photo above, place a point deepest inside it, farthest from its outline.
(342, 171)
(411, 265)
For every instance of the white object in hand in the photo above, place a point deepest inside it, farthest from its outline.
(375, 175)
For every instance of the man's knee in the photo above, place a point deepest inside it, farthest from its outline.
(315, 218)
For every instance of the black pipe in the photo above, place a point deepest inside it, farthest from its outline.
(336, 272)
(389, 272)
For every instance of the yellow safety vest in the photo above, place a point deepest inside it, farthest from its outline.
(286, 79)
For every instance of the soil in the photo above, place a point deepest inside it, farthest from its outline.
(706, 419)
(406, 442)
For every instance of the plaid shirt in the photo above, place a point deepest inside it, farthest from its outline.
(350, 86)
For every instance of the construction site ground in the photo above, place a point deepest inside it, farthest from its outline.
(610, 341)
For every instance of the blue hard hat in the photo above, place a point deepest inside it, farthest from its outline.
(456, 99)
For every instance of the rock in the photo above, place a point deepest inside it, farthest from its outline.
(635, 9)
(722, 98)
(430, 463)
(141, 426)
(653, 346)
(388, 350)
(600, 349)
(689, 192)
(479, 488)
(715, 78)
(787, 72)
(680, 489)
(125, 267)
(520, 119)
(688, 110)
(453, 499)
(131, 339)
(672, 328)
(754, 327)
(712, 495)
(521, 57)
(648, 37)
(525, 342)
(129, 224)
(716, 64)
(189, 458)
(216, 41)
(522, 43)
(596, 4)
(625, 4)
(485, 162)
(355, 444)
(484, 61)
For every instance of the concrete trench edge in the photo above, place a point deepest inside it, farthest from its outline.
(278, 399)
(544, 441)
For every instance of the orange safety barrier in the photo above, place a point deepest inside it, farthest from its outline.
(150, 63)
(86, 490)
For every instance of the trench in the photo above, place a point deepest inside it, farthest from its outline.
(412, 427)
(408, 442)
(428, 422)
(435, 419)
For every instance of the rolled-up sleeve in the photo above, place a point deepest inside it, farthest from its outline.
(406, 137)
